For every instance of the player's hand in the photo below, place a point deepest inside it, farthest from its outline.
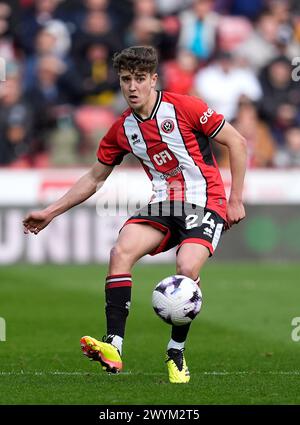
(36, 221)
(235, 212)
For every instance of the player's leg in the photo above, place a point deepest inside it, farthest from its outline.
(198, 242)
(134, 241)
(190, 259)
(200, 230)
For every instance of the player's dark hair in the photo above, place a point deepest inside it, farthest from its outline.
(136, 58)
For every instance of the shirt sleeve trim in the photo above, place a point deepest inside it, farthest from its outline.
(216, 131)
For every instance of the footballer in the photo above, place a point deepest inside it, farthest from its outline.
(171, 136)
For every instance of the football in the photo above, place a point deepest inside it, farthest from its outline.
(177, 300)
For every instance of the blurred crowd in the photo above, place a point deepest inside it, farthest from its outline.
(59, 93)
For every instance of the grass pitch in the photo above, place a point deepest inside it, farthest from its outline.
(239, 351)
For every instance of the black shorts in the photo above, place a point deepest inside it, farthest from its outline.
(181, 222)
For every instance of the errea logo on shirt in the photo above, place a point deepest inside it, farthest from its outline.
(135, 139)
(207, 114)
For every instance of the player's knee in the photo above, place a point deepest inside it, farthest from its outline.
(120, 255)
(187, 269)
(117, 253)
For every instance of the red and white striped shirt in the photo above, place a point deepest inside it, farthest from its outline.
(173, 146)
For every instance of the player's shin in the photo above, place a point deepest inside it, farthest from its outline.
(118, 297)
(178, 336)
(179, 333)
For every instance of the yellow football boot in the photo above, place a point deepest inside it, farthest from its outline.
(177, 368)
(103, 352)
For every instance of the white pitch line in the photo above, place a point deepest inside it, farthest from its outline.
(38, 373)
(210, 373)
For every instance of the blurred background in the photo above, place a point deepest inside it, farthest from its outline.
(59, 95)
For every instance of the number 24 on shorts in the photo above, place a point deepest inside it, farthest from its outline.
(191, 221)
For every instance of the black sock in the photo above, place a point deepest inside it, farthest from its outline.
(117, 296)
(179, 333)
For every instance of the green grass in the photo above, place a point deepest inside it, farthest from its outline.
(239, 350)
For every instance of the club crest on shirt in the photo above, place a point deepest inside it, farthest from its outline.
(167, 126)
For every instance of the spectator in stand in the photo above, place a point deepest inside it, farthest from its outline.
(16, 121)
(261, 146)
(7, 50)
(222, 84)
(36, 16)
(145, 8)
(179, 75)
(287, 116)
(11, 13)
(119, 12)
(53, 39)
(268, 40)
(53, 92)
(286, 41)
(88, 6)
(96, 25)
(56, 91)
(143, 31)
(280, 103)
(70, 12)
(288, 156)
(260, 48)
(198, 29)
(148, 28)
(280, 9)
(99, 81)
(65, 46)
(232, 32)
(32, 20)
(45, 94)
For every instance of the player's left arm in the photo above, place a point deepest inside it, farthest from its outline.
(237, 147)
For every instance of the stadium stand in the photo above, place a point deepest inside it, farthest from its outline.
(60, 94)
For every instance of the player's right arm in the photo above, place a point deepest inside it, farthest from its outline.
(83, 189)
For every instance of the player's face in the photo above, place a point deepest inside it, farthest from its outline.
(137, 88)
